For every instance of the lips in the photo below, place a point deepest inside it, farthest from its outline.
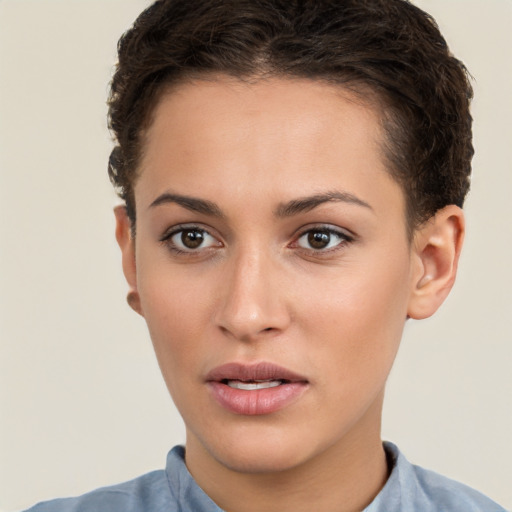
(257, 389)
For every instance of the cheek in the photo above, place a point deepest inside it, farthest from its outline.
(357, 321)
(176, 314)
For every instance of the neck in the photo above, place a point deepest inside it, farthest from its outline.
(345, 477)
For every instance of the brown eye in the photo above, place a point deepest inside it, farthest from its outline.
(322, 239)
(318, 239)
(192, 238)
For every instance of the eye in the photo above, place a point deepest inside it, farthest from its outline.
(190, 239)
(322, 239)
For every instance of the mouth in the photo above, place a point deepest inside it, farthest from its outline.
(257, 389)
(252, 385)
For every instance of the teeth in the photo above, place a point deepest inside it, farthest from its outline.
(250, 386)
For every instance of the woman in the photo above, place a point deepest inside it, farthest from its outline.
(293, 176)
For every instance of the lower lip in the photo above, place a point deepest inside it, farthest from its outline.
(258, 401)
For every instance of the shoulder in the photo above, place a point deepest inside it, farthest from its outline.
(151, 492)
(172, 490)
(422, 489)
(146, 493)
(448, 494)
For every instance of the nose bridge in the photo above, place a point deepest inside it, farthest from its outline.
(251, 302)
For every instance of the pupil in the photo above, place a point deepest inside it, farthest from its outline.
(319, 239)
(192, 239)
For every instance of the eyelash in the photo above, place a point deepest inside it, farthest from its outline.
(343, 239)
(167, 238)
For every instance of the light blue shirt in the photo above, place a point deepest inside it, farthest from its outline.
(408, 489)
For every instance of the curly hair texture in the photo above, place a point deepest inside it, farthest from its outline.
(388, 51)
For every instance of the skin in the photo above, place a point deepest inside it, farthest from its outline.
(256, 290)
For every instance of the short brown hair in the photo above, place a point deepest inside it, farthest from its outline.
(388, 47)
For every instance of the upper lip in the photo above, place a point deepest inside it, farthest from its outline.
(253, 372)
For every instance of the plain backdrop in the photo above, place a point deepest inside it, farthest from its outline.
(82, 403)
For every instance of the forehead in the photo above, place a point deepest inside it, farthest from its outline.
(270, 136)
(298, 107)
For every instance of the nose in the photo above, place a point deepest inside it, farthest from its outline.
(252, 303)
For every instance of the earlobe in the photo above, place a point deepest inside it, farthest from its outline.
(437, 247)
(127, 245)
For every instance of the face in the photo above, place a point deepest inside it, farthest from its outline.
(273, 268)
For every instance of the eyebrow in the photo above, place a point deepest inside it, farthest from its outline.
(294, 207)
(190, 203)
(305, 204)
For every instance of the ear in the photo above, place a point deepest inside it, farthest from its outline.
(127, 244)
(436, 248)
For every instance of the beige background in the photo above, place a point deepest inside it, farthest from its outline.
(82, 403)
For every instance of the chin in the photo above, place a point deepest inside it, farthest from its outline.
(260, 460)
(267, 450)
